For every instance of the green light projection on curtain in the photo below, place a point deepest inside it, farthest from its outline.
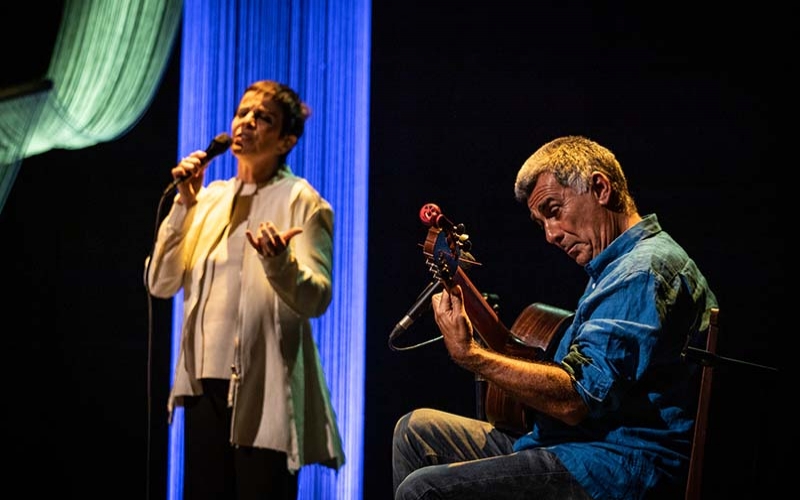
(107, 63)
(24, 102)
(323, 51)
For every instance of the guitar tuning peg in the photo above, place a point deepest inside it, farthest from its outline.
(428, 213)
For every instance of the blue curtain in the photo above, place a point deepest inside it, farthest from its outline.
(322, 50)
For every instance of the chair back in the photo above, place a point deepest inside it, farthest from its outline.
(695, 481)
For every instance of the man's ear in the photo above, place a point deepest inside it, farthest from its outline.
(601, 188)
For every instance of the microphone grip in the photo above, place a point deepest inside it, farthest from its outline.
(421, 305)
(218, 145)
(175, 182)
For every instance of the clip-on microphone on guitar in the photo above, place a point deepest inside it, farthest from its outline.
(422, 303)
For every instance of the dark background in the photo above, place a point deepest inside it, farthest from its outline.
(461, 95)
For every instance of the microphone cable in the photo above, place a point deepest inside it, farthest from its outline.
(149, 364)
(218, 145)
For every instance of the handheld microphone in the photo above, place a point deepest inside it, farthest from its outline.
(218, 145)
(420, 306)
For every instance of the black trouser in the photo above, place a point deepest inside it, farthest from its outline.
(214, 468)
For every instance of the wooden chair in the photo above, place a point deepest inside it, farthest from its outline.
(694, 483)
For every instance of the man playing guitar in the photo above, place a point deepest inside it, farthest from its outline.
(613, 402)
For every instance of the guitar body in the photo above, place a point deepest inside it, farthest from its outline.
(534, 335)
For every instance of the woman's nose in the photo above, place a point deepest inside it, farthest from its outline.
(249, 118)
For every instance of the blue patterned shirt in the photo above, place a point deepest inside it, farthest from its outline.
(644, 299)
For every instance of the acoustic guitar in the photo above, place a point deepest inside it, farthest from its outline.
(533, 336)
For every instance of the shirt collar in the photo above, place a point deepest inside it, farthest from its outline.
(623, 243)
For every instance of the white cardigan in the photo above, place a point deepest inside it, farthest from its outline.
(279, 393)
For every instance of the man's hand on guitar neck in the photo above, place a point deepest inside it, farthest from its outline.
(456, 328)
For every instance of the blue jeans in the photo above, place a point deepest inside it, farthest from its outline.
(438, 455)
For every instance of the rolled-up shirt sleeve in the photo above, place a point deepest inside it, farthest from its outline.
(614, 343)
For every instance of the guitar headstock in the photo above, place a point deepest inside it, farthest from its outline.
(447, 245)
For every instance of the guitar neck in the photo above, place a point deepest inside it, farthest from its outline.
(488, 326)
